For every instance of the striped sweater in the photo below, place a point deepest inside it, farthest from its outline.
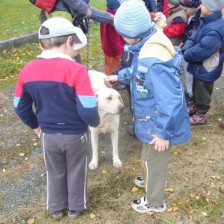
(54, 92)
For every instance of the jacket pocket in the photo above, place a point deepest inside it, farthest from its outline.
(211, 63)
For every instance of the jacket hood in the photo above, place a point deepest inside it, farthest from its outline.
(158, 46)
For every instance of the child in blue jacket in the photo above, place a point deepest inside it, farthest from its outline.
(160, 112)
(204, 51)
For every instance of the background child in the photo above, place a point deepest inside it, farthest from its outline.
(160, 113)
(204, 51)
(112, 43)
(193, 10)
(175, 23)
(65, 105)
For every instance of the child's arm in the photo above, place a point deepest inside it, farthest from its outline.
(176, 29)
(207, 46)
(79, 6)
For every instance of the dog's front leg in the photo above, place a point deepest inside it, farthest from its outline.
(94, 142)
(114, 139)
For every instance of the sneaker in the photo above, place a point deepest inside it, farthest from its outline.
(191, 110)
(145, 208)
(140, 201)
(139, 181)
(198, 119)
(57, 215)
(73, 214)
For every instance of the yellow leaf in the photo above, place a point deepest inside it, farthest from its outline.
(169, 189)
(175, 153)
(26, 158)
(134, 189)
(3, 170)
(204, 214)
(170, 209)
(21, 154)
(192, 195)
(31, 221)
(203, 138)
(219, 119)
(150, 213)
(35, 143)
(92, 216)
(104, 171)
(18, 144)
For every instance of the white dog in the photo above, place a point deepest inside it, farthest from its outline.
(110, 105)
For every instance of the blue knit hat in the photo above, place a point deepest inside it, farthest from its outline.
(113, 4)
(132, 20)
(190, 3)
(214, 5)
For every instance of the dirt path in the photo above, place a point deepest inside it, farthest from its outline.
(23, 180)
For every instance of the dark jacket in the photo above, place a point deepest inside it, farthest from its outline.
(204, 50)
(192, 25)
(81, 6)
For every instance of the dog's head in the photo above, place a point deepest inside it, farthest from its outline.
(109, 101)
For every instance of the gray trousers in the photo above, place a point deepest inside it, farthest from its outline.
(154, 166)
(66, 164)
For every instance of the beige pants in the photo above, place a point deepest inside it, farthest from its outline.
(154, 166)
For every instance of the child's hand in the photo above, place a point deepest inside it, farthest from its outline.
(88, 13)
(110, 80)
(160, 144)
(37, 131)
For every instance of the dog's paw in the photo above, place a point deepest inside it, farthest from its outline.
(117, 163)
(93, 165)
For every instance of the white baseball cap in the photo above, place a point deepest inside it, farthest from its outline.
(58, 26)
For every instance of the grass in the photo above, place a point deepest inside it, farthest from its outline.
(12, 60)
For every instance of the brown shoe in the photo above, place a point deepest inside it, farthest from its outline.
(198, 119)
(222, 124)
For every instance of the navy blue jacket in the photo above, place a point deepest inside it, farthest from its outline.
(204, 50)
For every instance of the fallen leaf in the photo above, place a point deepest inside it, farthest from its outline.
(3, 170)
(104, 171)
(31, 221)
(192, 195)
(219, 119)
(204, 214)
(18, 144)
(169, 189)
(134, 189)
(26, 158)
(204, 139)
(21, 154)
(92, 216)
(150, 213)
